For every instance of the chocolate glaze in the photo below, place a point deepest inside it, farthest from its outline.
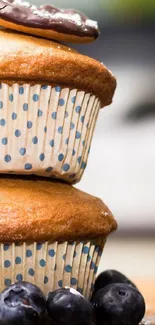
(64, 21)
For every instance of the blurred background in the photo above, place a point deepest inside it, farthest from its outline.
(121, 168)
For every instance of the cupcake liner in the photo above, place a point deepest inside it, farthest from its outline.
(51, 266)
(46, 130)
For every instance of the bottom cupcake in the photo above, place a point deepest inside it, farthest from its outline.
(51, 234)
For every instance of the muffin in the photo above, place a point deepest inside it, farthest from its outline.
(51, 234)
(50, 97)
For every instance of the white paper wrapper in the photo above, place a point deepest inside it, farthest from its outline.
(46, 131)
(51, 265)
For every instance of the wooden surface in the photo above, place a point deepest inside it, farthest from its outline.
(147, 288)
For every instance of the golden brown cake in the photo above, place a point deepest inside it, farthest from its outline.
(50, 97)
(44, 210)
(28, 59)
(51, 234)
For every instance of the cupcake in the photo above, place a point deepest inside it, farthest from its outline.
(50, 97)
(51, 234)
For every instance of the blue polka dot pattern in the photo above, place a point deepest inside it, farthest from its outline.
(96, 269)
(25, 107)
(97, 249)
(4, 141)
(7, 158)
(2, 122)
(49, 169)
(18, 260)
(31, 272)
(7, 282)
(58, 89)
(82, 119)
(79, 160)
(39, 246)
(28, 167)
(35, 98)
(19, 277)
(45, 279)
(42, 263)
(6, 247)
(14, 116)
(83, 165)
(78, 109)
(60, 157)
(68, 268)
(40, 112)
(60, 283)
(85, 250)
(29, 124)
(61, 102)
(22, 151)
(21, 90)
(66, 167)
(60, 129)
(92, 266)
(54, 115)
(72, 126)
(73, 281)
(35, 140)
(46, 261)
(78, 135)
(7, 263)
(11, 98)
(52, 143)
(73, 100)
(28, 253)
(42, 156)
(17, 133)
(51, 253)
(48, 110)
(88, 258)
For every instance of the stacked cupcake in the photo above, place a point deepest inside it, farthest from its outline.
(51, 234)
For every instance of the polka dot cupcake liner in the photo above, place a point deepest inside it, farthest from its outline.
(46, 130)
(51, 265)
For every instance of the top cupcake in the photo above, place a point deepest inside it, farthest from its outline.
(47, 21)
(50, 95)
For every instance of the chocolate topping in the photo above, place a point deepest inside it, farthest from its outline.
(65, 21)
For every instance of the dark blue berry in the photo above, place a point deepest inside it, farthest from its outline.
(118, 304)
(109, 277)
(21, 304)
(66, 306)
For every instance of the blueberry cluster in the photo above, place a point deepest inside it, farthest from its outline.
(115, 301)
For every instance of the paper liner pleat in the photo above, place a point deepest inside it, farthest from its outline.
(51, 265)
(46, 130)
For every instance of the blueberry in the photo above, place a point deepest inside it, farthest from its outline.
(21, 304)
(67, 306)
(109, 277)
(118, 304)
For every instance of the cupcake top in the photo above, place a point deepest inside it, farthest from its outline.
(28, 59)
(39, 210)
